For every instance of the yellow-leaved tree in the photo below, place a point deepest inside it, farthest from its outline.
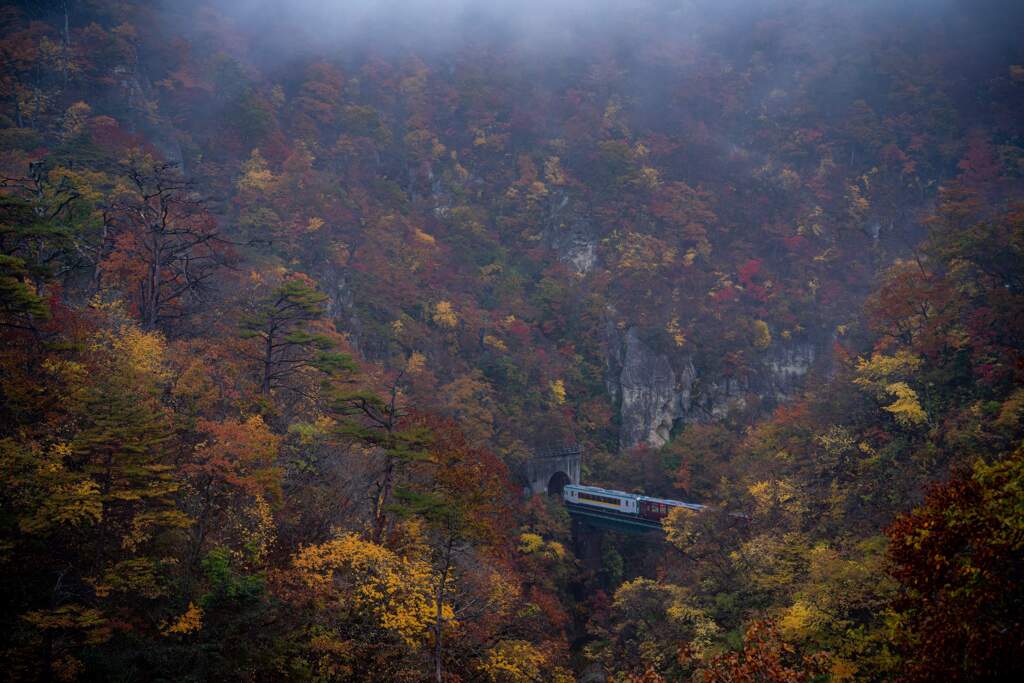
(373, 607)
(354, 577)
(888, 377)
(656, 626)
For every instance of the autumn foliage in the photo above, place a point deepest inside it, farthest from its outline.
(282, 320)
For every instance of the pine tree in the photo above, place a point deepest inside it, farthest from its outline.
(284, 325)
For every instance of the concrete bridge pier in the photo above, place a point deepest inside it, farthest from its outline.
(587, 544)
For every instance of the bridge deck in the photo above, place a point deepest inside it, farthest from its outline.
(608, 519)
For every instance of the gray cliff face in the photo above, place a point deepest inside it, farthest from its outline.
(130, 86)
(654, 392)
(341, 304)
(786, 367)
(648, 394)
(571, 235)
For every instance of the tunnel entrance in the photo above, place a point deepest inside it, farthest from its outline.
(551, 468)
(557, 483)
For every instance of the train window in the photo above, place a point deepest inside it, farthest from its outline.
(599, 499)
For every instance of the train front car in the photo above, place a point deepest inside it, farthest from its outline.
(656, 509)
(603, 499)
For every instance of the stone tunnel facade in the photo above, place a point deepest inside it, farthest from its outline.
(551, 469)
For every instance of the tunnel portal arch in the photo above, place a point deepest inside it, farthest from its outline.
(543, 469)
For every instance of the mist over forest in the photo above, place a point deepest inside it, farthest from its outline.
(507, 342)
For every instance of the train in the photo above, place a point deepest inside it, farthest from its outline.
(631, 504)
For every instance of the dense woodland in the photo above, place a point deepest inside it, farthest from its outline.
(284, 309)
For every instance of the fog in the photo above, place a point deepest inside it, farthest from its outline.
(564, 26)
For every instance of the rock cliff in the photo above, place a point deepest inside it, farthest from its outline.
(654, 392)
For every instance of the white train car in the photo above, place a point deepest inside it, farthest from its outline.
(604, 499)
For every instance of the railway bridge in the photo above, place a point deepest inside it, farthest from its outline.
(609, 519)
(552, 468)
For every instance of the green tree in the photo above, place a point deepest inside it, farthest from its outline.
(463, 502)
(287, 341)
(384, 428)
(42, 236)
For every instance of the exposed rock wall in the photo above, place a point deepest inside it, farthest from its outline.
(571, 235)
(648, 393)
(654, 392)
(130, 91)
(787, 365)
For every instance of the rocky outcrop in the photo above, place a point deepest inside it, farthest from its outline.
(132, 93)
(571, 235)
(648, 394)
(786, 366)
(655, 392)
(341, 304)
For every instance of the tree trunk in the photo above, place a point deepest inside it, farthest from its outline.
(439, 613)
(382, 500)
(268, 363)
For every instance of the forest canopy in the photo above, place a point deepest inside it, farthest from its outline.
(291, 294)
